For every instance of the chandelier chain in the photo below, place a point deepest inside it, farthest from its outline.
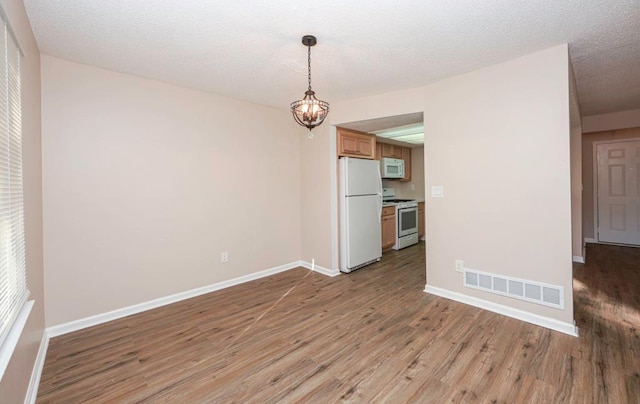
(309, 65)
(309, 111)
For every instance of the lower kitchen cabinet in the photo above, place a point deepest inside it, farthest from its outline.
(388, 227)
(421, 220)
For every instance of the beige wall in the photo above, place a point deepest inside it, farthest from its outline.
(315, 170)
(588, 201)
(498, 140)
(403, 189)
(576, 169)
(612, 121)
(14, 384)
(377, 106)
(145, 184)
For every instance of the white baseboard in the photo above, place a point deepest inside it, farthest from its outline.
(34, 382)
(577, 258)
(321, 270)
(76, 325)
(590, 240)
(535, 319)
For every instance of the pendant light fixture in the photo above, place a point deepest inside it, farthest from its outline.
(309, 111)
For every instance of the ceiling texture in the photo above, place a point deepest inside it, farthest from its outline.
(251, 49)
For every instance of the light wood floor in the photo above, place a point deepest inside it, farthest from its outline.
(370, 336)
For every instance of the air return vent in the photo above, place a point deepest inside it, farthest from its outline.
(530, 291)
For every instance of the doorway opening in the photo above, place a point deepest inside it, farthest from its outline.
(399, 137)
(617, 196)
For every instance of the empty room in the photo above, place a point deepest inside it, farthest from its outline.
(408, 202)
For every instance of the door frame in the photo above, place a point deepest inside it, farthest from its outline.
(596, 224)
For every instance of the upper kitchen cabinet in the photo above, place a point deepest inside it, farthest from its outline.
(356, 144)
(392, 151)
(406, 156)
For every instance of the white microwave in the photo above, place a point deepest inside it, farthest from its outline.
(391, 168)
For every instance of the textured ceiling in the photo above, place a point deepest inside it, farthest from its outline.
(251, 49)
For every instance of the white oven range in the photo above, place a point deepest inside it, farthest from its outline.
(406, 218)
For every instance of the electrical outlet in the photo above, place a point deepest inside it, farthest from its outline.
(413, 187)
(224, 257)
(459, 265)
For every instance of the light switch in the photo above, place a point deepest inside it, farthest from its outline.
(437, 191)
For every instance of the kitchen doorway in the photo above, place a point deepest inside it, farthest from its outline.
(398, 137)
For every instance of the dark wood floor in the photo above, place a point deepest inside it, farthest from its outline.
(370, 336)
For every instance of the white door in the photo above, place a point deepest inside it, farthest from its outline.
(618, 192)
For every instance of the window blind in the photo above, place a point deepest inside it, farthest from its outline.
(13, 277)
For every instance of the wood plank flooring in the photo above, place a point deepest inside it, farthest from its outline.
(370, 336)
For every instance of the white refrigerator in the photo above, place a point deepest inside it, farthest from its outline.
(360, 211)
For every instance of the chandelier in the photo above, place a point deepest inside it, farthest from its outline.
(309, 111)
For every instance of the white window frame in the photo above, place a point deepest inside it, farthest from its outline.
(14, 308)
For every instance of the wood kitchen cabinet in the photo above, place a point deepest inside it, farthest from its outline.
(420, 220)
(406, 156)
(392, 151)
(355, 144)
(388, 227)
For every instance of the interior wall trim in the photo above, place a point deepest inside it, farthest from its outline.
(34, 381)
(65, 328)
(590, 240)
(321, 270)
(522, 315)
(578, 259)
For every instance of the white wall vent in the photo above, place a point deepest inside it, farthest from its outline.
(530, 291)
